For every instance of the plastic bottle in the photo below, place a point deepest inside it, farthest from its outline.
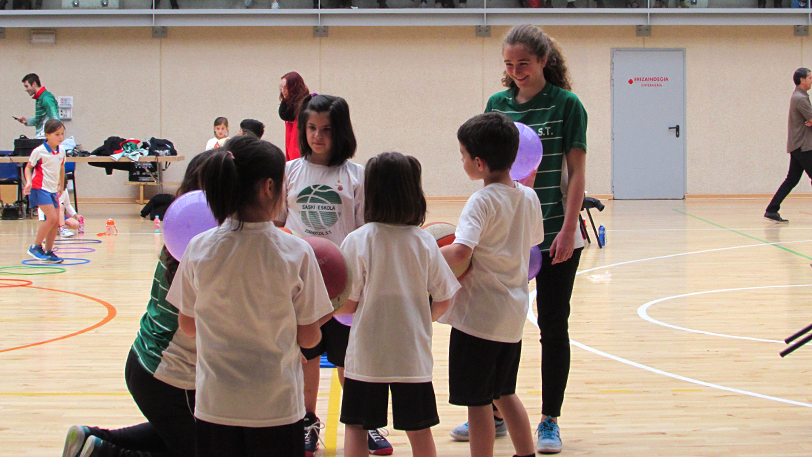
(157, 224)
(275, 5)
(111, 228)
(602, 235)
(81, 225)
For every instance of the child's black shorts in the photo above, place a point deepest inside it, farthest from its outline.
(479, 370)
(334, 339)
(414, 406)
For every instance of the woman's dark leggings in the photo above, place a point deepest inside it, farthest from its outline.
(169, 410)
(554, 285)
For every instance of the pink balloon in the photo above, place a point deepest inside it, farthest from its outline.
(535, 263)
(530, 152)
(188, 216)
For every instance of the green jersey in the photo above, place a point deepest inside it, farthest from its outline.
(560, 120)
(45, 109)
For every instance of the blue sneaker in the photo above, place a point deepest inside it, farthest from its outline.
(549, 437)
(53, 257)
(37, 252)
(377, 442)
(312, 429)
(75, 441)
(93, 447)
(460, 433)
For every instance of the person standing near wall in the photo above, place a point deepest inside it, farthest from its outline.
(46, 107)
(799, 141)
(292, 90)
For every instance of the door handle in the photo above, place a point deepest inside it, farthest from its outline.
(675, 128)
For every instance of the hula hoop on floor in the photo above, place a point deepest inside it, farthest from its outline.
(58, 270)
(45, 263)
(74, 250)
(77, 241)
(24, 281)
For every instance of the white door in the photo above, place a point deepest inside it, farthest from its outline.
(648, 123)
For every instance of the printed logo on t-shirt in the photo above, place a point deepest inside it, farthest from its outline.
(319, 209)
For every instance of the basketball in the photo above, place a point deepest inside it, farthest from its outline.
(443, 232)
(334, 269)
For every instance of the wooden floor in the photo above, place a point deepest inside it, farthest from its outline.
(676, 329)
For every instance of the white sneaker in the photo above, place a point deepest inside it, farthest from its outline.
(64, 232)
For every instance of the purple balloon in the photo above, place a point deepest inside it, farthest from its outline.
(530, 152)
(535, 263)
(188, 216)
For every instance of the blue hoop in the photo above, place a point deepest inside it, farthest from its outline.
(43, 263)
(74, 250)
(77, 241)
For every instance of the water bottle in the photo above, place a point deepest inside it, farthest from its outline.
(157, 224)
(602, 235)
(81, 224)
(275, 5)
(111, 229)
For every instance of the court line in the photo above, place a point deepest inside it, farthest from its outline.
(111, 313)
(741, 233)
(642, 311)
(532, 318)
(333, 410)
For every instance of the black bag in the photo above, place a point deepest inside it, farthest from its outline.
(142, 171)
(161, 147)
(13, 212)
(24, 145)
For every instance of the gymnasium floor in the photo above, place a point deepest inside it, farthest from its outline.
(676, 330)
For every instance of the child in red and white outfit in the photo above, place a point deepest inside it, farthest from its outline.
(44, 178)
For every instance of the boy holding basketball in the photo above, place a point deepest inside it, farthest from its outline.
(497, 228)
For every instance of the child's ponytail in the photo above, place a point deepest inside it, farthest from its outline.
(230, 177)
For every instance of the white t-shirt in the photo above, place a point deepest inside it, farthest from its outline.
(395, 266)
(47, 165)
(215, 143)
(64, 200)
(501, 224)
(323, 201)
(248, 289)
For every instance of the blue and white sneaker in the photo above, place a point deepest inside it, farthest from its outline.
(52, 258)
(93, 447)
(549, 437)
(37, 252)
(377, 442)
(75, 441)
(460, 433)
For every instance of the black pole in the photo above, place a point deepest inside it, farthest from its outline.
(798, 334)
(795, 346)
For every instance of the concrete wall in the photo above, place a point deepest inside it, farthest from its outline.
(408, 89)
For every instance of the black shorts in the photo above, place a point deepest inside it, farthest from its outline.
(414, 406)
(334, 339)
(479, 370)
(215, 440)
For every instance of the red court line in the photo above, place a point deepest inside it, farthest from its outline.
(111, 313)
(806, 213)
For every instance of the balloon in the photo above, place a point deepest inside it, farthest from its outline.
(535, 263)
(529, 156)
(188, 216)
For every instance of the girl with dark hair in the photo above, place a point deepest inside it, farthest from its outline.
(160, 374)
(324, 196)
(539, 96)
(292, 91)
(249, 371)
(395, 262)
(220, 134)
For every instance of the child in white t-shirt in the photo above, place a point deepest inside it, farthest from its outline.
(498, 226)
(220, 134)
(44, 178)
(70, 218)
(395, 263)
(252, 294)
(324, 196)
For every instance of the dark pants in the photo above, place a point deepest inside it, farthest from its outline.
(798, 163)
(554, 286)
(214, 440)
(169, 410)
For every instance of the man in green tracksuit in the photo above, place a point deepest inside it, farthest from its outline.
(46, 107)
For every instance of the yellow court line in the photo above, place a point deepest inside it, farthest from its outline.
(333, 410)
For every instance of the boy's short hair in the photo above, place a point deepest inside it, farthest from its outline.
(31, 79)
(253, 126)
(492, 137)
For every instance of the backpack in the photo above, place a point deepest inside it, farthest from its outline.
(161, 147)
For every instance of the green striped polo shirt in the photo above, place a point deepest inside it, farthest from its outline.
(162, 350)
(560, 120)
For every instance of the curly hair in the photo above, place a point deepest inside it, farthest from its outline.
(540, 45)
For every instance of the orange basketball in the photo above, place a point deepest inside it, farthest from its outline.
(444, 234)
(334, 269)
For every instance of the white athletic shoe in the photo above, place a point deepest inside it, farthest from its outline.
(64, 232)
